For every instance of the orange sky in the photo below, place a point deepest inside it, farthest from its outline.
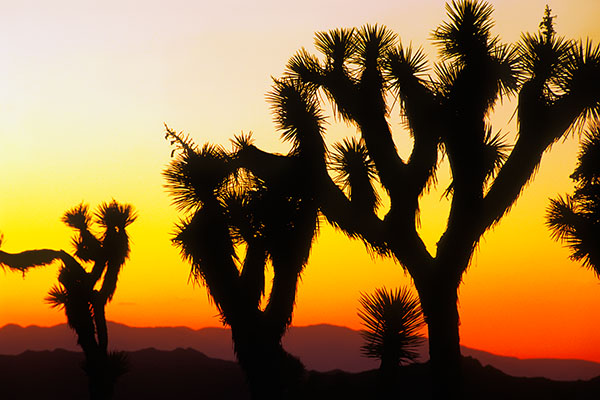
(84, 92)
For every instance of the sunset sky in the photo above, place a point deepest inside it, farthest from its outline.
(85, 88)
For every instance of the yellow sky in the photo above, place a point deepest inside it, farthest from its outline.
(85, 89)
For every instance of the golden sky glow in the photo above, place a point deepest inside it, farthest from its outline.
(84, 92)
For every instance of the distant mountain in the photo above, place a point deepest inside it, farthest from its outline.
(320, 347)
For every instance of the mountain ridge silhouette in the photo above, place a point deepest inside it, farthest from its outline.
(321, 347)
(187, 373)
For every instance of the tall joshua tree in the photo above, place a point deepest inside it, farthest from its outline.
(236, 225)
(556, 82)
(575, 219)
(83, 304)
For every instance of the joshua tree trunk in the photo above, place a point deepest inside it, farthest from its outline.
(102, 377)
(272, 373)
(441, 314)
(101, 383)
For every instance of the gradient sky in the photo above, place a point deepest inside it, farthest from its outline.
(84, 92)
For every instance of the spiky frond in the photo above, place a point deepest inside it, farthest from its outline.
(447, 74)
(306, 67)
(202, 239)
(373, 43)
(57, 297)
(543, 58)
(467, 34)
(580, 230)
(402, 63)
(117, 364)
(476, 69)
(582, 79)
(392, 321)
(575, 219)
(562, 218)
(504, 68)
(587, 171)
(480, 84)
(87, 246)
(239, 206)
(495, 152)
(298, 115)
(195, 177)
(356, 172)
(78, 217)
(115, 215)
(242, 141)
(338, 45)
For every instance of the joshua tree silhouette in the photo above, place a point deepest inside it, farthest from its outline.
(392, 320)
(84, 305)
(233, 213)
(556, 82)
(575, 219)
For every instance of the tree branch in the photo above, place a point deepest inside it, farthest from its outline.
(252, 277)
(541, 124)
(30, 258)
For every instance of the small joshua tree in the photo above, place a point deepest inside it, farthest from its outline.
(393, 321)
(83, 304)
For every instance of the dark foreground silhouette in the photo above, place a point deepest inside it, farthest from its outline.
(188, 374)
(320, 347)
(366, 75)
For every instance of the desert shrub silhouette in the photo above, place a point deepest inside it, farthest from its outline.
(392, 321)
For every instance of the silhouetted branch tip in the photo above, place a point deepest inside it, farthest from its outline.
(180, 141)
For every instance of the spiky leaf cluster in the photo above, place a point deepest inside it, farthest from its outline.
(372, 45)
(495, 152)
(113, 215)
(575, 219)
(57, 297)
(392, 321)
(403, 63)
(194, 177)
(467, 33)
(580, 82)
(298, 115)
(337, 45)
(108, 250)
(475, 65)
(356, 173)
(78, 217)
